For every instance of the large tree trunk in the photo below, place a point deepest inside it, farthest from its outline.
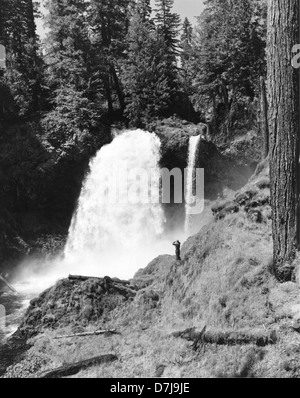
(261, 338)
(73, 369)
(283, 86)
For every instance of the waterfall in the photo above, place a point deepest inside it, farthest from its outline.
(119, 223)
(193, 146)
(109, 233)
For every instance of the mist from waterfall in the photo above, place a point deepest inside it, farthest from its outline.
(190, 183)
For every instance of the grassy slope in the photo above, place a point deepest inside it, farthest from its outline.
(223, 282)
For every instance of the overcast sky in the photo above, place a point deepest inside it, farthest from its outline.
(186, 8)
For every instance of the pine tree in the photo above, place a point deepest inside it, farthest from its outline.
(109, 22)
(229, 54)
(144, 9)
(187, 34)
(24, 65)
(186, 72)
(145, 73)
(167, 27)
(68, 73)
(168, 24)
(3, 22)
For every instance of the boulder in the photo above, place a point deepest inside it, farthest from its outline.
(242, 198)
(296, 323)
(255, 215)
(229, 209)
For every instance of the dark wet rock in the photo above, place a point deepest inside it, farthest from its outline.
(223, 208)
(263, 183)
(258, 201)
(251, 205)
(242, 198)
(230, 209)
(220, 205)
(255, 215)
(159, 371)
(296, 323)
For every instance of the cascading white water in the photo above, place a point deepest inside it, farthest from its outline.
(110, 219)
(193, 146)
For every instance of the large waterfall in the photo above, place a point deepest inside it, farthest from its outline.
(116, 226)
(190, 183)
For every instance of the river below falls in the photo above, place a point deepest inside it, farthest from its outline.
(12, 347)
(15, 308)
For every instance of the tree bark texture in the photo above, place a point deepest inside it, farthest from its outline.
(264, 118)
(283, 95)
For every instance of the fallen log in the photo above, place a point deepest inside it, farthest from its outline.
(122, 282)
(8, 284)
(81, 278)
(72, 369)
(86, 334)
(124, 289)
(119, 285)
(259, 337)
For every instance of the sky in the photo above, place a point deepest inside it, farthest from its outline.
(185, 8)
(189, 8)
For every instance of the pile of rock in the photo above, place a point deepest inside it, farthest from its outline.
(76, 301)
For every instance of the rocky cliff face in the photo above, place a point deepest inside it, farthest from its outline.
(221, 171)
(174, 135)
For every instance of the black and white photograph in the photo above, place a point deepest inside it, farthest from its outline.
(149, 191)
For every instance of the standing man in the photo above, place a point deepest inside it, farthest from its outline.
(2, 58)
(177, 245)
(2, 70)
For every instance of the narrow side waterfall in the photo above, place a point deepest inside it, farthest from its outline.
(193, 146)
